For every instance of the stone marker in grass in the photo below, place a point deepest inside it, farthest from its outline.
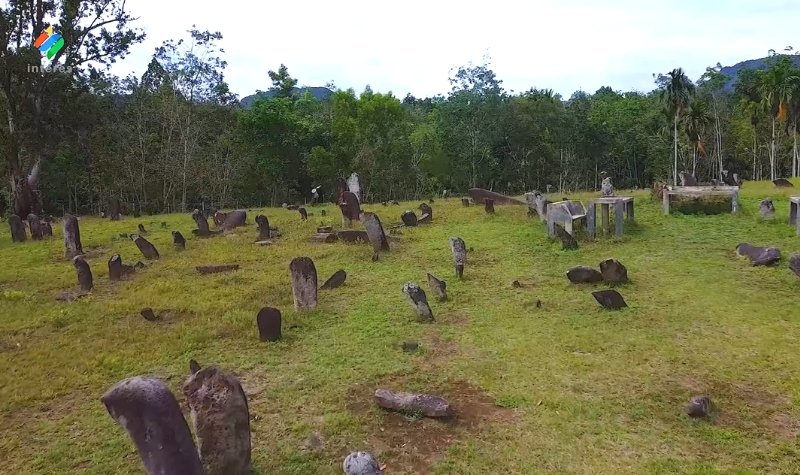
(304, 283)
(149, 315)
(413, 403)
(178, 240)
(268, 321)
(375, 233)
(408, 218)
(216, 268)
(221, 420)
(350, 207)
(18, 233)
(438, 287)
(35, 225)
(141, 229)
(567, 241)
(118, 271)
(699, 407)
(202, 225)
(72, 237)
(766, 208)
(584, 275)
(147, 249)
(459, 250)
(263, 227)
(194, 366)
(488, 205)
(613, 271)
(425, 208)
(84, 273)
(759, 256)
(361, 463)
(336, 280)
(418, 301)
(610, 299)
(149, 412)
(794, 264)
(303, 214)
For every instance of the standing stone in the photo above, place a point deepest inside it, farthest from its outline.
(766, 208)
(584, 275)
(303, 214)
(418, 301)
(361, 463)
(567, 241)
(35, 224)
(613, 271)
(438, 287)
(194, 366)
(606, 187)
(687, 179)
(117, 270)
(351, 209)
(488, 205)
(425, 208)
(759, 256)
(47, 229)
(150, 414)
(304, 283)
(145, 247)
(114, 209)
(263, 227)
(178, 240)
(409, 218)
(794, 264)
(354, 185)
(72, 237)
(465, 202)
(221, 420)
(18, 233)
(699, 407)
(149, 315)
(141, 229)
(336, 280)
(341, 187)
(610, 299)
(219, 217)
(202, 225)
(269, 324)
(234, 219)
(374, 228)
(459, 250)
(84, 273)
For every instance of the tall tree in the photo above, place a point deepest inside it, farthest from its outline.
(676, 95)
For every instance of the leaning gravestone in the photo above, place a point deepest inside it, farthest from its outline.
(35, 224)
(263, 227)
(303, 214)
(150, 414)
(412, 403)
(84, 273)
(584, 275)
(613, 271)
(759, 256)
(178, 240)
(221, 419)
(141, 229)
(782, 183)
(372, 223)
(425, 208)
(202, 224)
(794, 264)
(269, 324)
(610, 299)
(18, 233)
(766, 208)
(72, 237)
(567, 241)
(418, 301)
(304, 283)
(488, 205)
(336, 280)
(234, 219)
(438, 287)
(459, 250)
(351, 209)
(117, 270)
(361, 463)
(147, 249)
(409, 218)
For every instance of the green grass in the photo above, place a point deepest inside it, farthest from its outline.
(578, 389)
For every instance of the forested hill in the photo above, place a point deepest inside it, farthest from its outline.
(320, 93)
(761, 63)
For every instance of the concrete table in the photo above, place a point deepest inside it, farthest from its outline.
(699, 191)
(794, 212)
(623, 210)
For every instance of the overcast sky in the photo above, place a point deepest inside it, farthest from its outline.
(411, 46)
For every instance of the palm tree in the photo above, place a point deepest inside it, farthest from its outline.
(776, 86)
(676, 96)
(793, 119)
(697, 120)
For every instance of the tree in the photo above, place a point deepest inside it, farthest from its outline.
(282, 82)
(698, 118)
(777, 86)
(95, 33)
(676, 94)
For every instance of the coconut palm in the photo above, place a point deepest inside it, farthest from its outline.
(676, 96)
(777, 86)
(697, 120)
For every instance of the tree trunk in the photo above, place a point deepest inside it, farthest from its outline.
(772, 153)
(675, 142)
(755, 152)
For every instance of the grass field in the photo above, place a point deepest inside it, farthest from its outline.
(565, 388)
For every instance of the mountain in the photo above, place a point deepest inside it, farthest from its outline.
(318, 93)
(761, 63)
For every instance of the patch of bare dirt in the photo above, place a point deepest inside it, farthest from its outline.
(413, 445)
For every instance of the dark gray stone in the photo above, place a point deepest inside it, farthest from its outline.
(216, 268)
(336, 280)
(353, 236)
(610, 299)
(114, 209)
(18, 233)
(350, 207)
(425, 208)
(766, 208)
(419, 302)
(149, 315)
(178, 240)
(141, 229)
(438, 287)
(794, 264)
(194, 366)
(233, 219)
(413, 403)
(584, 275)
(72, 237)
(567, 241)
(263, 227)
(687, 179)
(304, 283)
(268, 321)
(410, 346)
(147, 249)
(361, 463)
(488, 205)
(759, 256)
(783, 183)
(613, 271)
(409, 218)
(303, 214)
(84, 273)
(699, 407)
(150, 414)
(459, 250)
(202, 224)
(117, 270)
(35, 225)
(372, 223)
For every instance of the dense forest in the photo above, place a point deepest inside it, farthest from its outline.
(176, 138)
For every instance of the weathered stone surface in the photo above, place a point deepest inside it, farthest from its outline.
(361, 463)
(147, 249)
(766, 208)
(413, 403)
(425, 208)
(202, 224)
(84, 273)
(465, 202)
(783, 183)
(687, 179)
(18, 233)
(292, 207)
(794, 264)
(263, 227)
(354, 185)
(699, 407)
(71, 295)
(324, 237)
(488, 205)
(150, 414)
(324, 229)
(217, 268)
(537, 204)
(409, 218)
(117, 270)
(47, 229)
(567, 241)
(424, 219)
(613, 271)
(178, 240)
(341, 187)
(114, 209)
(350, 207)
(269, 324)
(194, 366)
(336, 280)
(304, 283)
(418, 301)
(303, 214)
(584, 275)
(438, 287)
(459, 250)
(610, 299)
(149, 315)
(35, 225)
(141, 229)
(759, 256)
(234, 219)
(72, 237)
(606, 187)
(353, 236)
(479, 195)
(221, 420)
(372, 223)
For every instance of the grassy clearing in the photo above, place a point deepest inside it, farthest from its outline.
(580, 390)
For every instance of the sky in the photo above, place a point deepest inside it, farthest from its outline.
(412, 46)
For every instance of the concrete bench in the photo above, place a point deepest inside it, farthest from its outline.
(564, 213)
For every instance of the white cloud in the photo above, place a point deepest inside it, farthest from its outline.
(411, 46)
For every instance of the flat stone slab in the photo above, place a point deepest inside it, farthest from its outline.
(414, 403)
